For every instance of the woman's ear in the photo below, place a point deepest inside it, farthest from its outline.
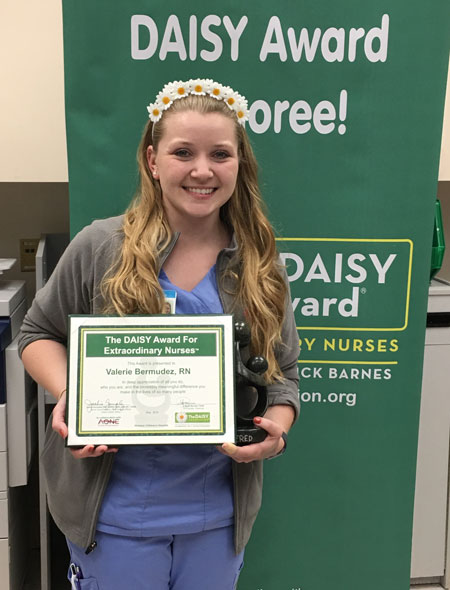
(151, 160)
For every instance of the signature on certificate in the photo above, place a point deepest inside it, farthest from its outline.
(105, 405)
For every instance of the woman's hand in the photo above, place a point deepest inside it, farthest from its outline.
(269, 447)
(58, 424)
(277, 419)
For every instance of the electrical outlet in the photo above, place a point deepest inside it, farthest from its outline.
(28, 249)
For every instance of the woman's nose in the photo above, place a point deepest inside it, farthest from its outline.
(201, 168)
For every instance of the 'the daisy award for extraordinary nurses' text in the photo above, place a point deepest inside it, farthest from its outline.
(150, 380)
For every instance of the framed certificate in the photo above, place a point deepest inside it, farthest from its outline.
(165, 379)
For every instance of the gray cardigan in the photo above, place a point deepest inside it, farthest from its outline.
(76, 487)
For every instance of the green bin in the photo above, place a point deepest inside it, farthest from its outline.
(438, 248)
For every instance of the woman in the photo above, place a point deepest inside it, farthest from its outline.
(169, 516)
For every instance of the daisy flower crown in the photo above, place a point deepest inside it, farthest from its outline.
(200, 87)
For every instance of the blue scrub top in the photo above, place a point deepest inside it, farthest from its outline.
(171, 489)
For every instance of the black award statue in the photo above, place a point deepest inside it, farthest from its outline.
(251, 389)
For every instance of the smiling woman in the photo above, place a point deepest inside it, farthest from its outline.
(179, 515)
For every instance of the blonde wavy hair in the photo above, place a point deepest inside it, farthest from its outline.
(131, 286)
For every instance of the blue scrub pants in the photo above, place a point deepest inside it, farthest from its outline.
(197, 561)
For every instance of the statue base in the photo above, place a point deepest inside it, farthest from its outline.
(247, 435)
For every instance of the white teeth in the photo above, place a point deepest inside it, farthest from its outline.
(200, 191)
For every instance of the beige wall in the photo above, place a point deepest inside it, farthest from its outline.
(32, 138)
(444, 168)
(27, 211)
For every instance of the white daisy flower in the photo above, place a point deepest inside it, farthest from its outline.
(197, 87)
(165, 98)
(155, 111)
(217, 91)
(242, 116)
(180, 89)
(232, 100)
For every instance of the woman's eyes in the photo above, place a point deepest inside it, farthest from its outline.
(218, 155)
(182, 153)
(221, 155)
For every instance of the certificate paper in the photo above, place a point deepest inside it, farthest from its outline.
(150, 380)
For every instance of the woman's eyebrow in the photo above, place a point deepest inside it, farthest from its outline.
(224, 144)
(185, 142)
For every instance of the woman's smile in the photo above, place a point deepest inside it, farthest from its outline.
(202, 192)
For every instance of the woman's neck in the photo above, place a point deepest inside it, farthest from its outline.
(201, 233)
(195, 252)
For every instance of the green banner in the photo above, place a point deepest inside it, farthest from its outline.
(346, 101)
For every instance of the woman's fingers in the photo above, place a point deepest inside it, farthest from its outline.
(58, 417)
(92, 451)
(272, 428)
(60, 426)
(269, 447)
